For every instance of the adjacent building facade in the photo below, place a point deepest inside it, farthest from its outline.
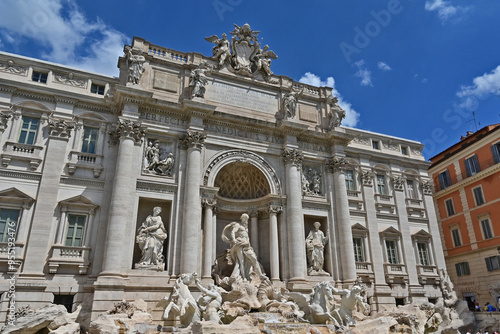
(86, 158)
(467, 178)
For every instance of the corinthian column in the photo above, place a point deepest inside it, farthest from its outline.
(190, 240)
(336, 165)
(208, 237)
(294, 216)
(129, 135)
(274, 242)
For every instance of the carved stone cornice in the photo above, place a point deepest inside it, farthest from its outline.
(274, 209)
(193, 139)
(59, 128)
(7, 89)
(367, 177)
(398, 182)
(427, 187)
(336, 164)
(129, 129)
(4, 118)
(292, 156)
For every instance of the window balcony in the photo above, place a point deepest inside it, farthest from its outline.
(365, 269)
(384, 204)
(67, 256)
(6, 255)
(85, 161)
(22, 152)
(427, 272)
(395, 273)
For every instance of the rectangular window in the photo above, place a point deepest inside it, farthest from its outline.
(8, 224)
(359, 254)
(74, 234)
(349, 179)
(423, 254)
(39, 77)
(472, 165)
(478, 196)
(392, 254)
(89, 140)
(29, 129)
(410, 188)
(486, 227)
(381, 188)
(462, 268)
(97, 89)
(404, 150)
(450, 209)
(375, 144)
(493, 263)
(65, 300)
(455, 234)
(495, 150)
(444, 179)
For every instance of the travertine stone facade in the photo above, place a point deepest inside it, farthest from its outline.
(82, 157)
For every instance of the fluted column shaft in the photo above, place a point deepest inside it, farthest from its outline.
(294, 215)
(128, 134)
(208, 238)
(192, 204)
(274, 243)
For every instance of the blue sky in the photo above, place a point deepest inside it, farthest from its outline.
(407, 68)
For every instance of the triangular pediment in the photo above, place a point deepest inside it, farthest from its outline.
(421, 234)
(390, 231)
(359, 228)
(15, 196)
(79, 201)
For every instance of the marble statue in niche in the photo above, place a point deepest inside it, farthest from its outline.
(153, 163)
(150, 238)
(315, 247)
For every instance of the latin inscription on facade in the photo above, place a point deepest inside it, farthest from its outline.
(227, 131)
(241, 97)
(163, 119)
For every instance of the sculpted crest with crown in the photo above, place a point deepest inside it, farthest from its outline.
(243, 55)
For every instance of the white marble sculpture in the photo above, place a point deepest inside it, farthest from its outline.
(182, 302)
(198, 80)
(210, 302)
(351, 299)
(135, 65)
(290, 103)
(337, 113)
(153, 163)
(315, 247)
(241, 252)
(221, 50)
(319, 308)
(449, 294)
(150, 237)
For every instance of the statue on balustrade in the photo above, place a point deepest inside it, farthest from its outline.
(315, 246)
(150, 237)
(337, 115)
(198, 80)
(241, 253)
(135, 65)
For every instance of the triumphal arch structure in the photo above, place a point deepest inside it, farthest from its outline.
(118, 186)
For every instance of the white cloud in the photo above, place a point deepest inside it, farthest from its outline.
(444, 9)
(383, 66)
(488, 83)
(363, 73)
(352, 116)
(63, 31)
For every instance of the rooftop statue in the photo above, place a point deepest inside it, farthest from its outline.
(135, 65)
(243, 54)
(337, 113)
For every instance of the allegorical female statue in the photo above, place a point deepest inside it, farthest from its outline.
(315, 246)
(150, 238)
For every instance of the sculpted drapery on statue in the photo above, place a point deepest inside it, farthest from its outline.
(198, 80)
(135, 65)
(241, 252)
(315, 246)
(150, 237)
(337, 113)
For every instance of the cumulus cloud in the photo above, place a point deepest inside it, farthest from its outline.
(488, 83)
(352, 116)
(444, 9)
(363, 73)
(383, 66)
(61, 30)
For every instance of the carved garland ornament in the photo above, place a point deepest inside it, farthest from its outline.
(427, 187)
(367, 177)
(59, 128)
(398, 182)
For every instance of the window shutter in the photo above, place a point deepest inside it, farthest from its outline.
(496, 154)
(467, 167)
(476, 164)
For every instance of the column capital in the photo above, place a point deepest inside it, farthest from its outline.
(398, 182)
(427, 187)
(129, 129)
(292, 156)
(209, 202)
(193, 139)
(274, 209)
(367, 177)
(336, 164)
(59, 128)
(4, 118)
(254, 213)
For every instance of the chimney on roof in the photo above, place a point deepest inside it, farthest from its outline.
(468, 134)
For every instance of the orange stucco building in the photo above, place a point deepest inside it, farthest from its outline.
(467, 196)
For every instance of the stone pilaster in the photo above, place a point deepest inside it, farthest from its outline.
(274, 242)
(336, 165)
(40, 236)
(294, 215)
(129, 136)
(208, 240)
(189, 256)
(434, 229)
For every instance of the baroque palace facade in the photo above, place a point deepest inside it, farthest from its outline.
(87, 158)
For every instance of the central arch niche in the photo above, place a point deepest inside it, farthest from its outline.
(242, 181)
